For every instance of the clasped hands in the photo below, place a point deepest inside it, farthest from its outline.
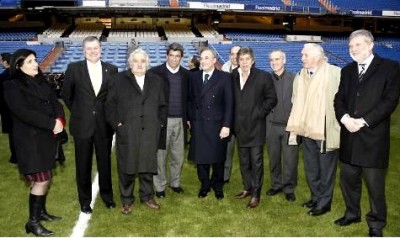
(58, 127)
(224, 132)
(352, 124)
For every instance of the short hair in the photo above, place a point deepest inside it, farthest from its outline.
(18, 58)
(135, 51)
(246, 51)
(316, 49)
(195, 60)
(90, 39)
(209, 49)
(175, 47)
(235, 46)
(281, 52)
(6, 57)
(369, 38)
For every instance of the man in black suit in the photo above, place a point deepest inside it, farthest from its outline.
(84, 92)
(6, 120)
(368, 94)
(210, 115)
(255, 96)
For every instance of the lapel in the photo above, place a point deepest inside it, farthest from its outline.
(132, 79)
(146, 86)
(376, 61)
(26, 87)
(104, 74)
(211, 81)
(86, 81)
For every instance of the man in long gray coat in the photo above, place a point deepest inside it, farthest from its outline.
(136, 109)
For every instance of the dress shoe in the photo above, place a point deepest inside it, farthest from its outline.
(177, 189)
(109, 204)
(203, 193)
(152, 204)
(86, 209)
(318, 212)
(310, 204)
(273, 192)
(243, 194)
(290, 197)
(253, 202)
(219, 195)
(373, 232)
(126, 209)
(344, 221)
(160, 194)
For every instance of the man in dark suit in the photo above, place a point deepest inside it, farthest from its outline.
(210, 115)
(255, 97)
(6, 120)
(173, 137)
(368, 94)
(84, 92)
(283, 158)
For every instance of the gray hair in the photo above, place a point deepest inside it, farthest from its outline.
(90, 39)
(281, 52)
(316, 50)
(132, 52)
(369, 38)
(209, 49)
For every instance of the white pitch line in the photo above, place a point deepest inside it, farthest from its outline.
(83, 220)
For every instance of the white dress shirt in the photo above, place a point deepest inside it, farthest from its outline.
(95, 74)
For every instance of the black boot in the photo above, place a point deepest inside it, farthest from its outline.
(33, 225)
(44, 216)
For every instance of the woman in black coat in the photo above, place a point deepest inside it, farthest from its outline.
(37, 118)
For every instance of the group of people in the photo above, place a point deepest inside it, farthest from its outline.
(336, 114)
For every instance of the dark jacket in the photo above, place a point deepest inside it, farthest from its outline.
(141, 114)
(374, 99)
(34, 107)
(252, 105)
(210, 109)
(162, 71)
(87, 109)
(6, 121)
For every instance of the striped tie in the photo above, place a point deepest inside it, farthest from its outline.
(362, 72)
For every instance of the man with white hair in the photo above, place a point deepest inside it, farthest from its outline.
(368, 94)
(313, 118)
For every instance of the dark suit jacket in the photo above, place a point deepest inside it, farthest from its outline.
(142, 114)
(162, 71)
(34, 107)
(87, 109)
(210, 109)
(6, 121)
(252, 105)
(374, 99)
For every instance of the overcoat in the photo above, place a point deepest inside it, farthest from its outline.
(252, 105)
(34, 108)
(374, 99)
(6, 121)
(87, 109)
(137, 117)
(210, 109)
(162, 71)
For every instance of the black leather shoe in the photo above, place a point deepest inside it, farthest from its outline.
(177, 189)
(203, 193)
(243, 195)
(109, 204)
(219, 195)
(375, 232)
(290, 197)
(160, 194)
(273, 192)
(310, 204)
(86, 209)
(344, 221)
(319, 212)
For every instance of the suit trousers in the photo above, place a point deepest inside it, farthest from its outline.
(83, 162)
(280, 155)
(217, 177)
(320, 169)
(252, 169)
(351, 184)
(230, 149)
(175, 146)
(127, 186)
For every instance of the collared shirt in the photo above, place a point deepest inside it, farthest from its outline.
(366, 62)
(242, 82)
(95, 74)
(140, 81)
(174, 71)
(209, 74)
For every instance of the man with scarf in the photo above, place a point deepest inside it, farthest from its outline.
(313, 118)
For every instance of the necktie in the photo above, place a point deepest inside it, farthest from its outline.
(206, 76)
(362, 72)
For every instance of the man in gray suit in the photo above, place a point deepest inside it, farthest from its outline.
(281, 154)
